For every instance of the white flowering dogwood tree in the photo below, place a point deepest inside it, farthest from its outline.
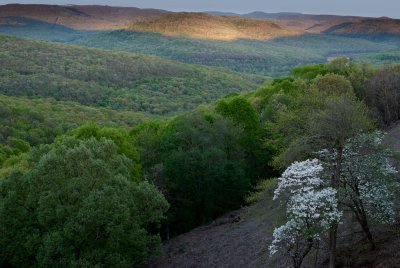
(311, 209)
(366, 180)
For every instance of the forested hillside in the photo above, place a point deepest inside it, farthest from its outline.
(368, 27)
(169, 143)
(116, 80)
(204, 26)
(204, 163)
(26, 123)
(41, 120)
(272, 58)
(298, 21)
(311, 115)
(89, 17)
(260, 43)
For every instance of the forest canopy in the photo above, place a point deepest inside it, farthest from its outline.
(92, 186)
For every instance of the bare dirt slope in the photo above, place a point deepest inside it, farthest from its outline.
(393, 137)
(239, 239)
(231, 243)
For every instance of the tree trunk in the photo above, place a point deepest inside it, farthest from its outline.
(367, 231)
(333, 230)
(332, 245)
(362, 218)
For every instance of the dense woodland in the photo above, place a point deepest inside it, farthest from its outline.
(119, 81)
(103, 185)
(272, 58)
(113, 142)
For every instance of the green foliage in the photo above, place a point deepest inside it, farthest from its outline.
(148, 137)
(125, 144)
(25, 122)
(380, 58)
(244, 115)
(272, 58)
(287, 86)
(240, 111)
(80, 202)
(309, 72)
(321, 111)
(76, 207)
(340, 119)
(204, 171)
(116, 80)
(333, 85)
(19, 145)
(262, 191)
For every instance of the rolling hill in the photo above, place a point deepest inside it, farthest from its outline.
(79, 17)
(204, 26)
(211, 25)
(117, 80)
(224, 40)
(325, 24)
(271, 58)
(367, 27)
(297, 21)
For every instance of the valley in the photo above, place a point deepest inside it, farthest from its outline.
(142, 137)
(257, 43)
(117, 80)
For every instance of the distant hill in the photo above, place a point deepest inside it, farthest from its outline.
(211, 25)
(219, 41)
(367, 27)
(305, 22)
(297, 21)
(205, 26)
(117, 80)
(79, 17)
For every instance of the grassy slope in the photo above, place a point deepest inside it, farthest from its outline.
(118, 80)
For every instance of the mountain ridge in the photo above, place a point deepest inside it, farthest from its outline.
(81, 17)
(205, 26)
(371, 27)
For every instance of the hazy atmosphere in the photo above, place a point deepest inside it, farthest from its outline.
(341, 7)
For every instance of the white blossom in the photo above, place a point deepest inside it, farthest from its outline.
(367, 176)
(311, 208)
(300, 177)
